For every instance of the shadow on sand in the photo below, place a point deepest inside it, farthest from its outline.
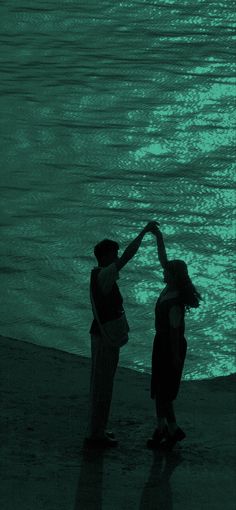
(157, 494)
(89, 489)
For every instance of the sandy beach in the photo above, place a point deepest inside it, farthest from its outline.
(44, 407)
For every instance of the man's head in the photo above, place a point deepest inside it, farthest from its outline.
(106, 252)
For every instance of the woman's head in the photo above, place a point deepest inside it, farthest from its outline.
(176, 275)
(175, 271)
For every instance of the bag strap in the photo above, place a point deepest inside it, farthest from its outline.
(95, 312)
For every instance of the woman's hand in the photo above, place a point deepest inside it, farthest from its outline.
(155, 230)
(151, 226)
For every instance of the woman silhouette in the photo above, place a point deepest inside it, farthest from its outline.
(170, 346)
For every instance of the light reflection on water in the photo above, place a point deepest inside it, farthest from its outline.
(114, 114)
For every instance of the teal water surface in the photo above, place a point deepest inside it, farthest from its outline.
(112, 114)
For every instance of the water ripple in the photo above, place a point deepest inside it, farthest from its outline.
(114, 114)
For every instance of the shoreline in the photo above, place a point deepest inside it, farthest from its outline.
(124, 364)
(44, 407)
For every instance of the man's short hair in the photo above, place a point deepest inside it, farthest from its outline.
(104, 247)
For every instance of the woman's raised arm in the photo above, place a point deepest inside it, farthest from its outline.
(161, 250)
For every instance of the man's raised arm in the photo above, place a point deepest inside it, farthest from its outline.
(133, 247)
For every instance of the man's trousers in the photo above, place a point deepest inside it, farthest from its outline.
(105, 359)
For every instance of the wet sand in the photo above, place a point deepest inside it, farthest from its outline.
(44, 407)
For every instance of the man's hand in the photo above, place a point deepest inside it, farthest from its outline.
(155, 231)
(151, 226)
(133, 247)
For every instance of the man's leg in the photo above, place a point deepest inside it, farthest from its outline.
(105, 359)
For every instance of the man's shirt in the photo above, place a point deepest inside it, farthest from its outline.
(107, 277)
(106, 295)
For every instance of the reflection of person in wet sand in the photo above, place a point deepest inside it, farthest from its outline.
(89, 490)
(157, 493)
(169, 347)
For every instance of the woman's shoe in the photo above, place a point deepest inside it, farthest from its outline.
(109, 434)
(103, 442)
(157, 438)
(179, 434)
(172, 439)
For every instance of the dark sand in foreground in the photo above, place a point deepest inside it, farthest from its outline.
(44, 406)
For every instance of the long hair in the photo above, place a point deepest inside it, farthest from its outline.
(188, 292)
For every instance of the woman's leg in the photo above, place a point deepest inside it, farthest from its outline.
(165, 411)
(171, 418)
(175, 432)
(160, 412)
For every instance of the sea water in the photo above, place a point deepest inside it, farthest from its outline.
(114, 114)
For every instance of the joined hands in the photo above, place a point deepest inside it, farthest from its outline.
(152, 226)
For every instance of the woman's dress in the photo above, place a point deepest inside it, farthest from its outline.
(166, 376)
